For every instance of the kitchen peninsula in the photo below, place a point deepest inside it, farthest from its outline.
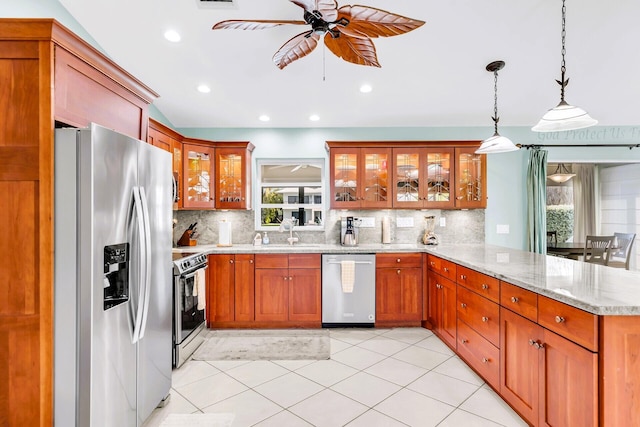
(556, 338)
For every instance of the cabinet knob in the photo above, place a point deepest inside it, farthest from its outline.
(398, 260)
(446, 270)
(536, 344)
(485, 319)
(398, 271)
(463, 277)
(485, 286)
(438, 286)
(290, 278)
(514, 299)
(463, 305)
(464, 341)
(485, 360)
(250, 261)
(531, 342)
(243, 199)
(231, 261)
(433, 264)
(559, 319)
(285, 278)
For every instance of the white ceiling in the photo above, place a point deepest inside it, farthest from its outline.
(433, 76)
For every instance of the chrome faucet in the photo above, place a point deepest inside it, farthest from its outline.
(288, 224)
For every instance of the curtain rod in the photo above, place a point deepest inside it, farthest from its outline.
(537, 146)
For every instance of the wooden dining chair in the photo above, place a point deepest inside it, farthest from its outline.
(596, 249)
(621, 254)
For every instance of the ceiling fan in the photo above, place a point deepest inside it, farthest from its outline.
(347, 31)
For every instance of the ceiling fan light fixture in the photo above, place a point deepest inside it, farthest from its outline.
(497, 143)
(564, 116)
(561, 174)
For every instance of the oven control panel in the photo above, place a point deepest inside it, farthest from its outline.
(188, 263)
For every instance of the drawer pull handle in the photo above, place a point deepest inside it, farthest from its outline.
(531, 342)
(398, 260)
(514, 299)
(485, 286)
(433, 264)
(536, 344)
(285, 278)
(463, 305)
(250, 261)
(446, 270)
(485, 319)
(559, 319)
(464, 341)
(231, 261)
(485, 360)
(290, 278)
(463, 277)
(398, 271)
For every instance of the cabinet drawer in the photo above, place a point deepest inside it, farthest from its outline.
(570, 322)
(304, 261)
(483, 356)
(481, 283)
(272, 261)
(398, 260)
(519, 300)
(442, 266)
(480, 314)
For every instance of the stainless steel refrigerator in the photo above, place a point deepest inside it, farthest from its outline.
(113, 278)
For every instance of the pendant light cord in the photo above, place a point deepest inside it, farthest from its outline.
(495, 102)
(563, 67)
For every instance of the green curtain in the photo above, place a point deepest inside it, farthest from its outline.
(537, 201)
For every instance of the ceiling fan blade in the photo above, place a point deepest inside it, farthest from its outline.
(253, 25)
(357, 50)
(327, 8)
(376, 22)
(296, 48)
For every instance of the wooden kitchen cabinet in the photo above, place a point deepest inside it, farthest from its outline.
(422, 178)
(198, 175)
(233, 175)
(288, 288)
(442, 315)
(230, 291)
(166, 138)
(360, 178)
(398, 287)
(548, 379)
(470, 179)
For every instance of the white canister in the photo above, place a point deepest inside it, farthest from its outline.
(386, 230)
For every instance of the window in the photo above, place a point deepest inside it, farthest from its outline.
(291, 188)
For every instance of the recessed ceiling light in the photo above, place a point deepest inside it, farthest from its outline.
(264, 118)
(204, 89)
(172, 36)
(366, 88)
(314, 117)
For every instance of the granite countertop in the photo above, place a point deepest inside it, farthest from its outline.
(594, 288)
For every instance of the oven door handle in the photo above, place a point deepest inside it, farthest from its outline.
(193, 273)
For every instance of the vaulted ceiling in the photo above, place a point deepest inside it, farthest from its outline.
(432, 76)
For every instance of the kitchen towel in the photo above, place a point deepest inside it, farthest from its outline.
(348, 275)
(224, 233)
(201, 288)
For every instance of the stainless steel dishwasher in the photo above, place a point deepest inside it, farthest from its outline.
(340, 306)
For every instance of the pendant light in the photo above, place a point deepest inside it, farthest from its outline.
(564, 116)
(561, 174)
(497, 143)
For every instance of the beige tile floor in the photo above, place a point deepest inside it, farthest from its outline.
(375, 377)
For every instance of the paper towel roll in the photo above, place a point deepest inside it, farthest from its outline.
(386, 230)
(224, 233)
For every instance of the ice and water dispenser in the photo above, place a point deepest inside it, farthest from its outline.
(116, 275)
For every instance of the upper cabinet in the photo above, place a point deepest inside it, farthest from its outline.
(360, 178)
(411, 175)
(216, 175)
(471, 179)
(163, 137)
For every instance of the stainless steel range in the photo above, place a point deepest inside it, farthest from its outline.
(189, 305)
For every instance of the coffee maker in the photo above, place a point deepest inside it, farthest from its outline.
(349, 231)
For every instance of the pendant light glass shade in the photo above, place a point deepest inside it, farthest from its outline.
(561, 174)
(497, 143)
(564, 116)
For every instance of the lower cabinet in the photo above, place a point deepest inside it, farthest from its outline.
(441, 313)
(550, 380)
(230, 290)
(288, 288)
(399, 288)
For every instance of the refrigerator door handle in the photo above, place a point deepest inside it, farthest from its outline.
(137, 311)
(147, 244)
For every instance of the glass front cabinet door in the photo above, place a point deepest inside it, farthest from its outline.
(197, 176)
(233, 179)
(360, 178)
(423, 178)
(471, 182)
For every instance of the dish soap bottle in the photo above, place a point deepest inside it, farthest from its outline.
(257, 241)
(265, 239)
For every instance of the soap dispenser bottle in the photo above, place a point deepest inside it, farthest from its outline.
(257, 241)
(265, 239)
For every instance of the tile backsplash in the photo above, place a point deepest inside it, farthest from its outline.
(462, 226)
